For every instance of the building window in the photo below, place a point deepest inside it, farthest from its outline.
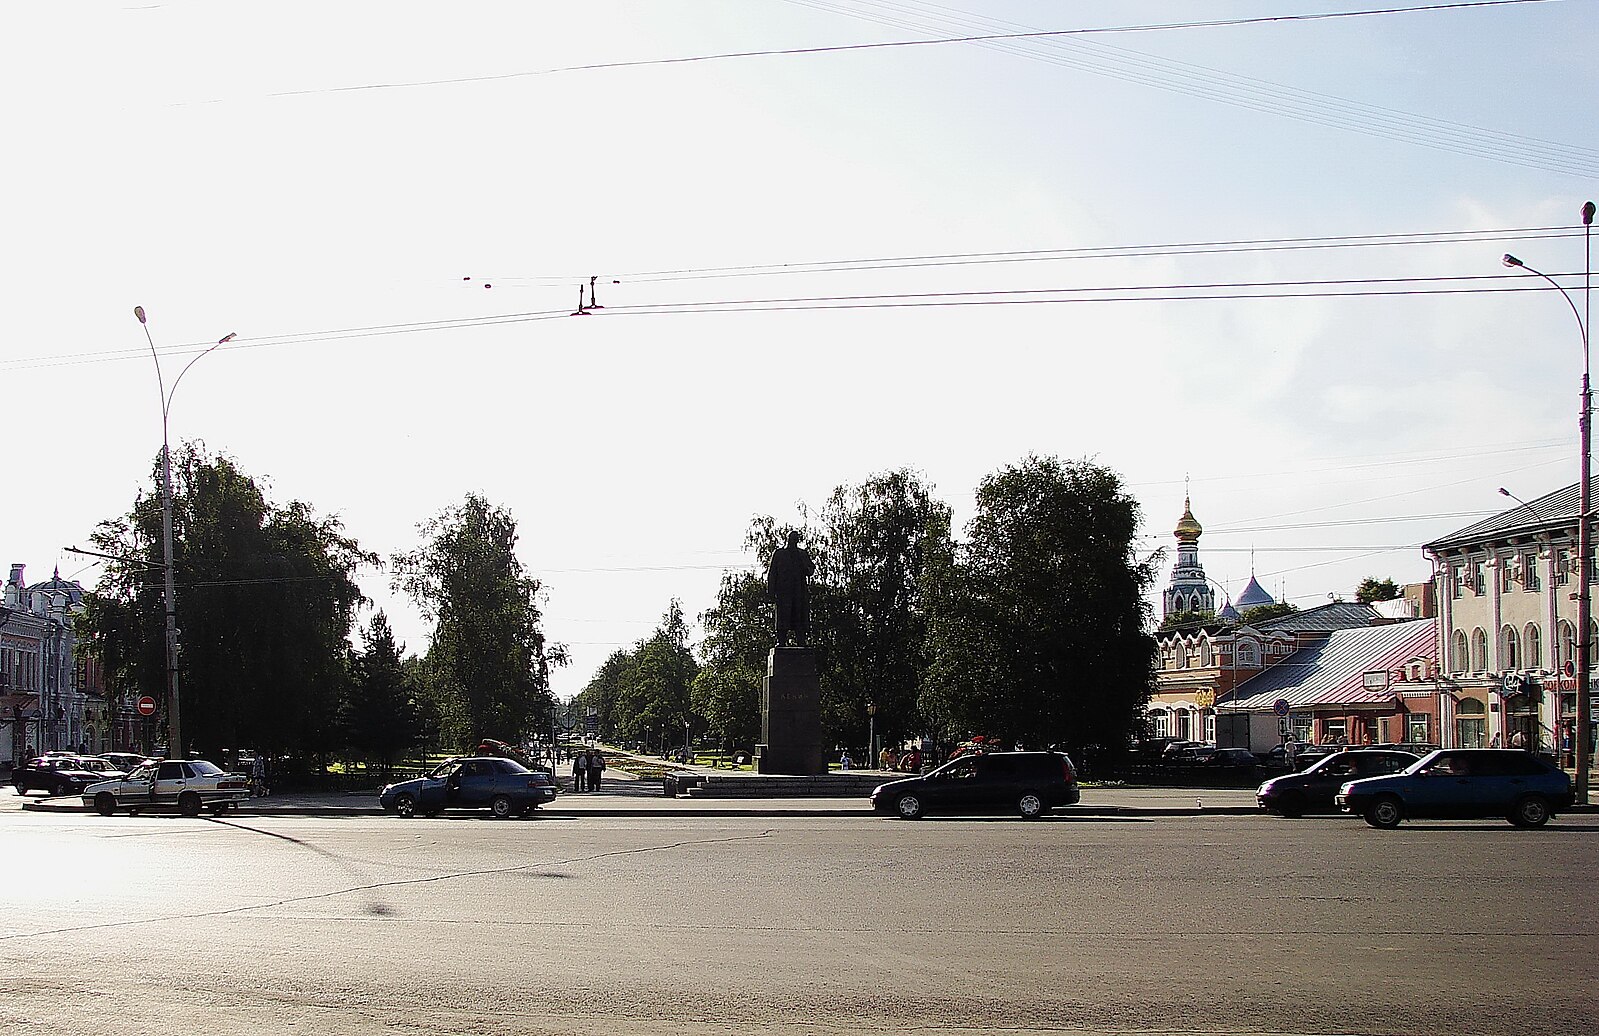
(1459, 660)
(1562, 568)
(1479, 651)
(1418, 729)
(1471, 724)
(1245, 654)
(1210, 726)
(1534, 659)
(1205, 657)
(1504, 570)
(1335, 732)
(1529, 573)
(1300, 723)
(1565, 645)
(1509, 648)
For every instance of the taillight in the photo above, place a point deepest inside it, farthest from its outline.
(1066, 768)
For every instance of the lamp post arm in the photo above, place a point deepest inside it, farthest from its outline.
(1582, 325)
(185, 370)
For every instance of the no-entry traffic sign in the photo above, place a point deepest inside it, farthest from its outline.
(147, 706)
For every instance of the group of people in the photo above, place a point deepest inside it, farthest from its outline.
(891, 758)
(588, 767)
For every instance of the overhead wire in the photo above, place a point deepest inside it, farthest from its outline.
(1097, 57)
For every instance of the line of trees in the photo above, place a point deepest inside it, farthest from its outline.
(1032, 628)
(267, 604)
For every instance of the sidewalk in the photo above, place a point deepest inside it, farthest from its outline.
(622, 795)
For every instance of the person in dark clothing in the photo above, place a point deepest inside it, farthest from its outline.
(596, 768)
(580, 770)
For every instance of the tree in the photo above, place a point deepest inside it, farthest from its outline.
(875, 544)
(1372, 590)
(1178, 620)
(1262, 612)
(1037, 624)
(266, 600)
(488, 661)
(738, 634)
(382, 720)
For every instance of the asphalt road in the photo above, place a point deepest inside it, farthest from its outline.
(828, 925)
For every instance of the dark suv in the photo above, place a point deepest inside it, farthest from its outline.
(1031, 783)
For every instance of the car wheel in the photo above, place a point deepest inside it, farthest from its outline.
(1530, 811)
(502, 807)
(1031, 805)
(1384, 811)
(909, 807)
(1291, 806)
(405, 805)
(189, 804)
(105, 803)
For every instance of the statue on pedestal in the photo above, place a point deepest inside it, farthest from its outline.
(785, 583)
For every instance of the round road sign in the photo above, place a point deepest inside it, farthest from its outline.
(147, 706)
(1280, 707)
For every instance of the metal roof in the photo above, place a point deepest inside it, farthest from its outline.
(1324, 618)
(1332, 671)
(1550, 512)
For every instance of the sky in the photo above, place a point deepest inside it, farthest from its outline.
(392, 206)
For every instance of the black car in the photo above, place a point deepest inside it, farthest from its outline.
(1311, 790)
(505, 786)
(54, 775)
(1031, 783)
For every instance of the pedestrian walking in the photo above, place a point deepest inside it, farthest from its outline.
(1291, 755)
(580, 771)
(596, 769)
(258, 777)
(844, 761)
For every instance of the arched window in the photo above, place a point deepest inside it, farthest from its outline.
(1479, 651)
(1206, 658)
(1459, 660)
(1534, 646)
(1565, 645)
(1509, 648)
(1247, 654)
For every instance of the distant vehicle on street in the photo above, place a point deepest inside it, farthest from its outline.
(187, 785)
(53, 775)
(1312, 790)
(1463, 783)
(124, 761)
(1230, 762)
(1031, 783)
(505, 786)
(104, 767)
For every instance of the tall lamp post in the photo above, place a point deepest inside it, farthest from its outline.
(871, 735)
(174, 722)
(1584, 534)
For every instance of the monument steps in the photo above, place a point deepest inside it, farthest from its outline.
(773, 786)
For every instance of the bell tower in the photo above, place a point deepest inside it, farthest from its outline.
(1189, 590)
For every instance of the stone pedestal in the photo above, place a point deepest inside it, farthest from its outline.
(791, 714)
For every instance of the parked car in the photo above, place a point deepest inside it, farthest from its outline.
(1312, 790)
(1229, 762)
(104, 767)
(127, 762)
(188, 785)
(53, 775)
(1524, 788)
(505, 786)
(1031, 783)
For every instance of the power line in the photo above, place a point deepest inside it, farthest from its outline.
(1162, 250)
(1101, 58)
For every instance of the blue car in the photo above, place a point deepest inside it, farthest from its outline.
(504, 786)
(1463, 783)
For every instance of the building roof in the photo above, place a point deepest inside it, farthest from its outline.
(1228, 612)
(1324, 618)
(1188, 528)
(1332, 671)
(1548, 513)
(1254, 596)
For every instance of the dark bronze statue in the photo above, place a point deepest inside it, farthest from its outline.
(785, 584)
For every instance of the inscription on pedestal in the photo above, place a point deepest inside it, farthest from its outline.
(791, 714)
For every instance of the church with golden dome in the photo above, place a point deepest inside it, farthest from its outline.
(1189, 590)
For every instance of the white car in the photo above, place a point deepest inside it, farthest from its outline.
(189, 785)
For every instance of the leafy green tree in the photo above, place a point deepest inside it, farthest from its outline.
(1371, 590)
(1038, 620)
(876, 541)
(658, 698)
(1262, 612)
(266, 601)
(1177, 620)
(488, 661)
(382, 717)
(603, 691)
(738, 634)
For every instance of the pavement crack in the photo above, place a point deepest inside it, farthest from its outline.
(380, 885)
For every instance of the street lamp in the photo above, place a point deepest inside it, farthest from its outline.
(1584, 535)
(174, 724)
(871, 734)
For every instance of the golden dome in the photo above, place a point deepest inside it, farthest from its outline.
(1188, 529)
